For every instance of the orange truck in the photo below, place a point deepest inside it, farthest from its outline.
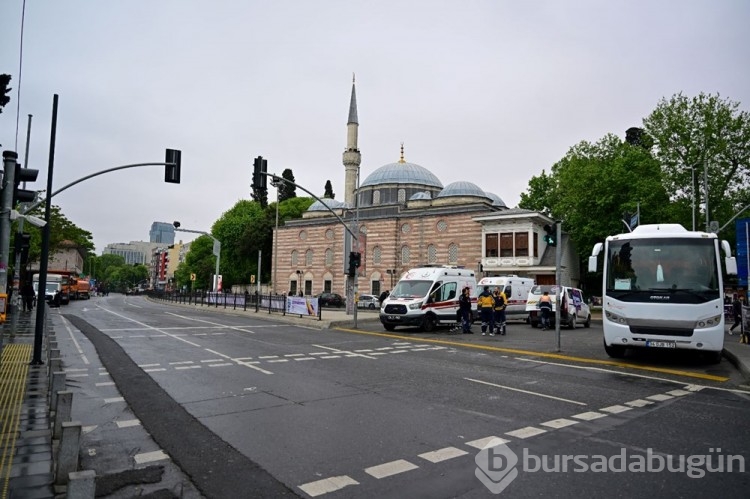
(83, 289)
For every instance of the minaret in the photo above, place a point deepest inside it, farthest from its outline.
(352, 157)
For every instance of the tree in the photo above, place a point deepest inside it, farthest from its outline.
(594, 184)
(287, 190)
(239, 231)
(4, 89)
(329, 190)
(200, 260)
(698, 136)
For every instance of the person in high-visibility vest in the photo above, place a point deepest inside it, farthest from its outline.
(499, 314)
(486, 306)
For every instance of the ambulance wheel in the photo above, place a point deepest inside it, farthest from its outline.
(429, 323)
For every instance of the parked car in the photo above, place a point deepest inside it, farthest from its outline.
(368, 301)
(330, 300)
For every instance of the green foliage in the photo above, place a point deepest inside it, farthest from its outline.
(287, 190)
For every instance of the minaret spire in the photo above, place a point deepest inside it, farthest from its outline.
(352, 157)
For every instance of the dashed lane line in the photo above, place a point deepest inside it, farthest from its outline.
(332, 484)
(525, 391)
(389, 469)
(443, 454)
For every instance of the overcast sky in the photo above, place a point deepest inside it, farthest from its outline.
(488, 91)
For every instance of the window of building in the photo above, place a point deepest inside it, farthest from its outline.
(327, 286)
(363, 229)
(376, 197)
(441, 226)
(376, 255)
(402, 195)
(431, 254)
(309, 257)
(506, 245)
(329, 234)
(303, 234)
(406, 228)
(308, 288)
(375, 287)
(536, 244)
(490, 245)
(293, 287)
(453, 253)
(405, 255)
(522, 244)
(329, 257)
(295, 258)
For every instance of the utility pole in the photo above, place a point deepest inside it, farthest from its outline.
(558, 281)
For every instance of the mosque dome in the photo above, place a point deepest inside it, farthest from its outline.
(402, 173)
(420, 195)
(462, 188)
(330, 203)
(496, 200)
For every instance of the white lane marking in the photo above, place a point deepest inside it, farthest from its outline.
(70, 370)
(128, 423)
(694, 388)
(318, 353)
(639, 403)
(113, 400)
(268, 357)
(484, 442)
(176, 337)
(615, 409)
(390, 469)
(178, 368)
(157, 369)
(525, 391)
(251, 366)
(278, 360)
(223, 364)
(294, 355)
(659, 397)
(399, 351)
(148, 365)
(527, 432)
(330, 357)
(221, 354)
(373, 354)
(559, 423)
(364, 350)
(341, 352)
(181, 362)
(332, 484)
(77, 375)
(589, 416)
(678, 393)
(216, 324)
(75, 342)
(149, 457)
(304, 358)
(105, 383)
(212, 360)
(444, 454)
(384, 348)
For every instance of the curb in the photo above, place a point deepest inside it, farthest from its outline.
(737, 363)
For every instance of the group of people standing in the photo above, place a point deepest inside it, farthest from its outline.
(491, 308)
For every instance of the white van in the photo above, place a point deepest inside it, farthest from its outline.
(53, 289)
(516, 290)
(427, 297)
(574, 306)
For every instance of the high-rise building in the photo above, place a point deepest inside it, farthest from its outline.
(161, 232)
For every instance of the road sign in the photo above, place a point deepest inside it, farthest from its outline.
(252, 279)
(192, 277)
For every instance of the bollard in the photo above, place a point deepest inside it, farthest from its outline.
(81, 484)
(55, 364)
(63, 412)
(58, 385)
(67, 453)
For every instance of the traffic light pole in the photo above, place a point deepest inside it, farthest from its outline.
(558, 280)
(6, 201)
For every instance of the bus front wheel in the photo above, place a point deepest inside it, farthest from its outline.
(614, 351)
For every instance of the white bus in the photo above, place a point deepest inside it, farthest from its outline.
(663, 288)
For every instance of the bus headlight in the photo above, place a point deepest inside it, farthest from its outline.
(615, 318)
(709, 322)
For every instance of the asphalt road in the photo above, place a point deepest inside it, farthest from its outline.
(343, 413)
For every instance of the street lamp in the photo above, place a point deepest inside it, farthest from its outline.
(391, 272)
(217, 249)
(275, 182)
(299, 281)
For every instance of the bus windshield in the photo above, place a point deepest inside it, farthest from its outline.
(686, 269)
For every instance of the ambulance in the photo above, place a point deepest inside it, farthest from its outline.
(427, 297)
(516, 291)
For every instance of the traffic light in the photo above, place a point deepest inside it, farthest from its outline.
(23, 175)
(4, 99)
(355, 260)
(551, 237)
(172, 168)
(260, 166)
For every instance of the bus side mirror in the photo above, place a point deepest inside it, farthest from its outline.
(594, 254)
(592, 264)
(731, 264)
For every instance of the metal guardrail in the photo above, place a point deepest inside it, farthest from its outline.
(236, 301)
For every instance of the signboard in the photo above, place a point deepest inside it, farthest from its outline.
(252, 279)
(742, 231)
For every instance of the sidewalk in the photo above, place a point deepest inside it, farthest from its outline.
(26, 469)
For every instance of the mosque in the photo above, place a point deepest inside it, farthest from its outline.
(407, 218)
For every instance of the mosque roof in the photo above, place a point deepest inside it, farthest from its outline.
(330, 203)
(496, 200)
(462, 188)
(402, 173)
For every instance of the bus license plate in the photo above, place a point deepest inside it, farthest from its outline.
(661, 344)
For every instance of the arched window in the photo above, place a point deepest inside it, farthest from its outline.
(309, 257)
(295, 258)
(431, 254)
(375, 197)
(376, 255)
(405, 255)
(453, 253)
(402, 195)
(329, 257)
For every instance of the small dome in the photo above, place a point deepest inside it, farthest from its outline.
(330, 203)
(420, 195)
(402, 173)
(462, 188)
(496, 200)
